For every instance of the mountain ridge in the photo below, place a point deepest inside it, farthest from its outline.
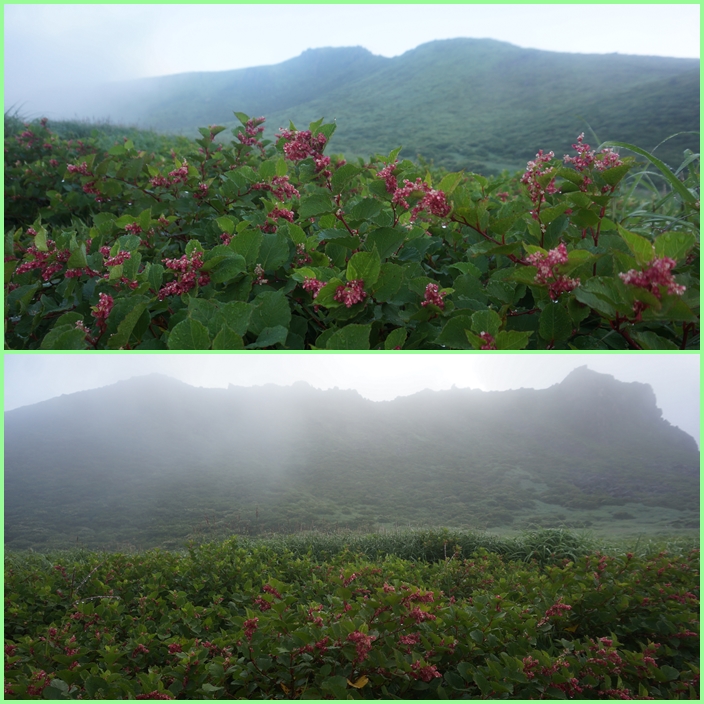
(464, 103)
(137, 460)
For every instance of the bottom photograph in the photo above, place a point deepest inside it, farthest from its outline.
(351, 526)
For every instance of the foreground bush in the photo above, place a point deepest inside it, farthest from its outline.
(260, 244)
(227, 621)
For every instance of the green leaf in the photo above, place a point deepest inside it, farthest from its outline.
(77, 260)
(453, 335)
(350, 337)
(274, 251)
(228, 339)
(343, 176)
(270, 309)
(237, 315)
(366, 209)
(242, 117)
(674, 182)
(650, 341)
(395, 339)
(670, 673)
(512, 340)
(449, 183)
(674, 244)
(337, 686)
(227, 269)
(225, 224)
(486, 321)
(365, 266)
(189, 334)
(641, 247)
(555, 323)
(247, 243)
(120, 338)
(64, 337)
(386, 240)
(316, 204)
(613, 175)
(388, 283)
(271, 336)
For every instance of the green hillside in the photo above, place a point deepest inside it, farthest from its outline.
(590, 450)
(477, 104)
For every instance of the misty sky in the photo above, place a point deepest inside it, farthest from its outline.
(53, 51)
(673, 377)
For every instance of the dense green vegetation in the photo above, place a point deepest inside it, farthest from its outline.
(422, 616)
(265, 245)
(207, 463)
(474, 104)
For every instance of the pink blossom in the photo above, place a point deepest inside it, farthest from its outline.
(434, 296)
(411, 639)
(424, 672)
(418, 615)
(534, 170)
(351, 293)
(555, 610)
(188, 275)
(489, 342)
(546, 264)
(313, 286)
(300, 145)
(78, 169)
(250, 625)
(179, 175)
(387, 174)
(281, 213)
(606, 159)
(657, 273)
(252, 129)
(363, 643)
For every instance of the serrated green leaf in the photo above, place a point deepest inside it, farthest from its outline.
(350, 337)
(486, 321)
(674, 245)
(641, 247)
(189, 334)
(120, 338)
(365, 266)
(316, 204)
(555, 323)
(269, 309)
(395, 339)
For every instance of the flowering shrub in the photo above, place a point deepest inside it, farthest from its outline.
(159, 625)
(274, 244)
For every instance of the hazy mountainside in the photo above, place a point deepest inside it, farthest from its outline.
(464, 103)
(149, 459)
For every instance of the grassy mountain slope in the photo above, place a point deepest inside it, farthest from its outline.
(464, 103)
(150, 460)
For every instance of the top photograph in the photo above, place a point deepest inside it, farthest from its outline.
(352, 177)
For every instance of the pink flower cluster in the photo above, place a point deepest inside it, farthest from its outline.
(657, 273)
(102, 310)
(280, 188)
(433, 201)
(531, 178)
(411, 639)
(250, 625)
(252, 129)
(188, 275)
(546, 264)
(49, 262)
(78, 169)
(489, 341)
(119, 258)
(179, 175)
(302, 144)
(555, 610)
(434, 296)
(353, 292)
(606, 159)
(313, 286)
(424, 672)
(363, 643)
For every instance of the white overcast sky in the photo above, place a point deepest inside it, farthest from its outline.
(53, 49)
(674, 377)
